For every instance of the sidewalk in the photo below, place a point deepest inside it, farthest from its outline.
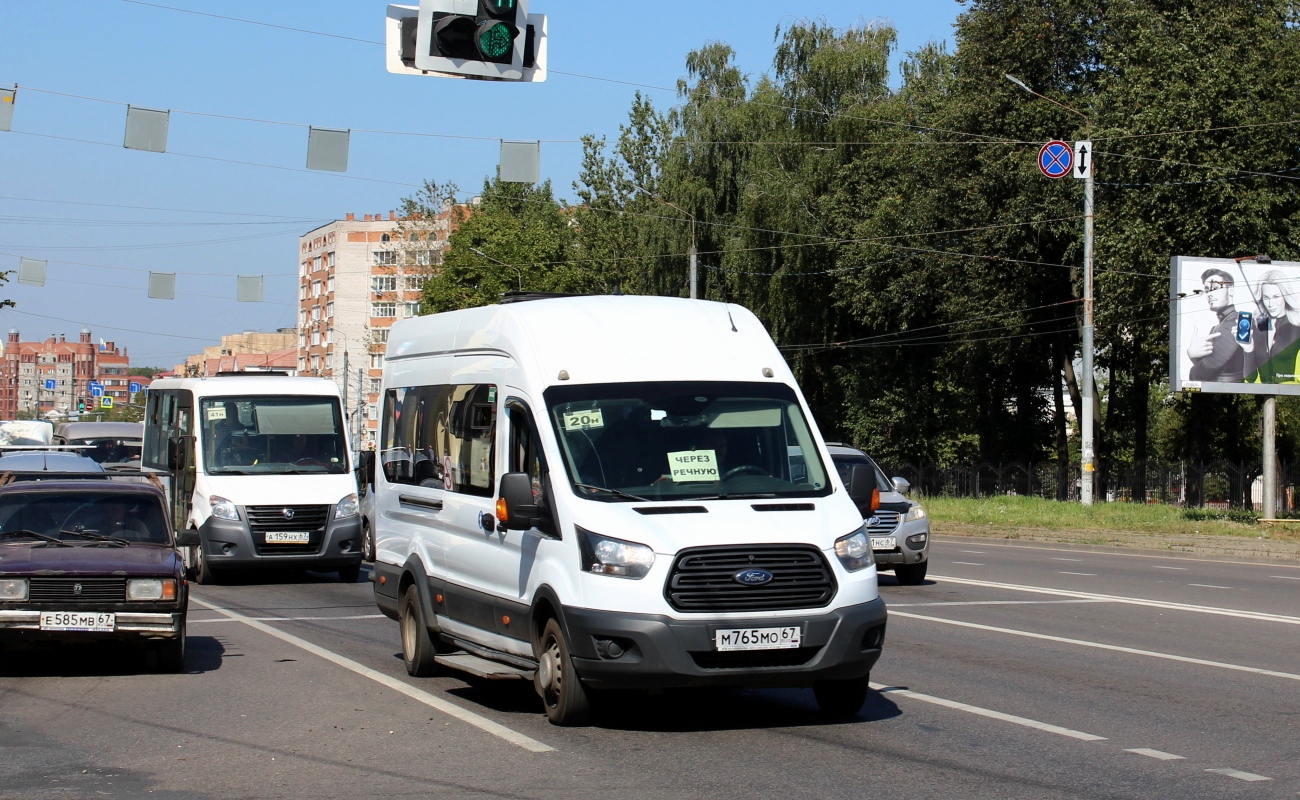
(1269, 545)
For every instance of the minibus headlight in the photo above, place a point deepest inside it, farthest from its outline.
(604, 555)
(223, 508)
(151, 589)
(854, 551)
(347, 507)
(915, 512)
(13, 589)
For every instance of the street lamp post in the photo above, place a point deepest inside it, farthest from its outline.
(693, 253)
(518, 273)
(1088, 455)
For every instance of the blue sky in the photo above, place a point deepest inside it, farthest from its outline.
(248, 179)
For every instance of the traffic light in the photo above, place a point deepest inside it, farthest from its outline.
(81, 405)
(473, 38)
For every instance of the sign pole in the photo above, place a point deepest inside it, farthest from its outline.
(1085, 165)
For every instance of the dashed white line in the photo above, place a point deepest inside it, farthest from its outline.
(973, 552)
(995, 603)
(1181, 569)
(1101, 646)
(1239, 775)
(968, 563)
(192, 620)
(1085, 574)
(1209, 586)
(1286, 577)
(985, 712)
(1258, 616)
(451, 709)
(1149, 753)
(1054, 558)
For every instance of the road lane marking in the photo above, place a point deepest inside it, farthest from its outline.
(972, 552)
(996, 603)
(1183, 569)
(1258, 616)
(1085, 574)
(1286, 577)
(1102, 646)
(1149, 753)
(1239, 775)
(1209, 586)
(292, 619)
(968, 563)
(464, 715)
(1054, 558)
(984, 712)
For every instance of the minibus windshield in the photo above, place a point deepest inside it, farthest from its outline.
(279, 435)
(624, 442)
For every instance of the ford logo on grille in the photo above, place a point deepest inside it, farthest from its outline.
(752, 577)
(288, 513)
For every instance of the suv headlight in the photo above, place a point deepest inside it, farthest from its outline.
(605, 555)
(223, 508)
(347, 507)
(915, 512)
(13, 589)
(854, 551)
(151, 589)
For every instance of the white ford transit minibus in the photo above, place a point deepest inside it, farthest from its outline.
(258, 465)
(596, 493)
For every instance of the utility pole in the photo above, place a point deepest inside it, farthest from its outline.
(360, 394)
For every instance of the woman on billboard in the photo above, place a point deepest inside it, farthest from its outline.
(1270, 354)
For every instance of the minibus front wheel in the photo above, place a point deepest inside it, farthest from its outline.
(841, 699)
(565, 698)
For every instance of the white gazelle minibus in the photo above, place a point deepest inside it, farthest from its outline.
(597, 493)
(258, 465)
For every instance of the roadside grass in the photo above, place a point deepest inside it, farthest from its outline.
(1033, 512)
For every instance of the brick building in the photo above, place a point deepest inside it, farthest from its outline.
(356, 277)
(52, 375)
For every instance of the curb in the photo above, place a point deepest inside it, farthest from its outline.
(1120, 549)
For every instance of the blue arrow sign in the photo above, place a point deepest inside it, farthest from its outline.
(133, 387)
(49, 384)
(1055, 159)
(97, 391)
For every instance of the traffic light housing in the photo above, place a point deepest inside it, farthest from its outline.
(81, 405)
(472, 38)
(402, 42)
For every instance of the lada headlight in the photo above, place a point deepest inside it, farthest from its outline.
(151, 589)
(605, 555)
(13, 589)
(347, 507)
(915, 512)
(223, 508)
(854, 551)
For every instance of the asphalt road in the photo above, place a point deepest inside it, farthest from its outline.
(1017, 672)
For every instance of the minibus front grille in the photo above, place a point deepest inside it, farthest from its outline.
(77, 590)
(283, 519)
(704, 579)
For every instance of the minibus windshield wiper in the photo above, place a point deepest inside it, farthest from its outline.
(614, 492)
(738, 496)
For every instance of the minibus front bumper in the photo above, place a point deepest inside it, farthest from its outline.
(619, 650)
(233, 544)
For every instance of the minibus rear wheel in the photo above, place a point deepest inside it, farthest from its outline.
(417, 647)
(565, 698)
(841, 699)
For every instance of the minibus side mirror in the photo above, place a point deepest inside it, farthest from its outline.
(901, 485)
(516, 508)
(174, 455)
(862, 489)
(187, 538)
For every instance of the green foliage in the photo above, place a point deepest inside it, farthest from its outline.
(1237, 515)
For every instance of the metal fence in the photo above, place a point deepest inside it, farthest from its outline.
(1220, 484)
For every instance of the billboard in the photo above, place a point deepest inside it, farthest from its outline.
(1234, 326)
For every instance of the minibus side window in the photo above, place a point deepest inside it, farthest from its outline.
(471, 417)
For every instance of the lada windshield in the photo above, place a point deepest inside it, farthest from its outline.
(278, 435)
(684, 440)
(82, 517)
(109, 450)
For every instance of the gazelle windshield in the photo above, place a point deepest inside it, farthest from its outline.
(275, 434)
(682, 440)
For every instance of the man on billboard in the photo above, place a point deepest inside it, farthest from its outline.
(1217, 357)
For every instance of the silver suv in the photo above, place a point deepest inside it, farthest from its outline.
(899, 529)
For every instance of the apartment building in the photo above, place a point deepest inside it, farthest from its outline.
(357, 277)
(255, 349)
(52, 375)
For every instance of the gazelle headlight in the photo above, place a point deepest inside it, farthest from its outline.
(223, 508)
(347, 507)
